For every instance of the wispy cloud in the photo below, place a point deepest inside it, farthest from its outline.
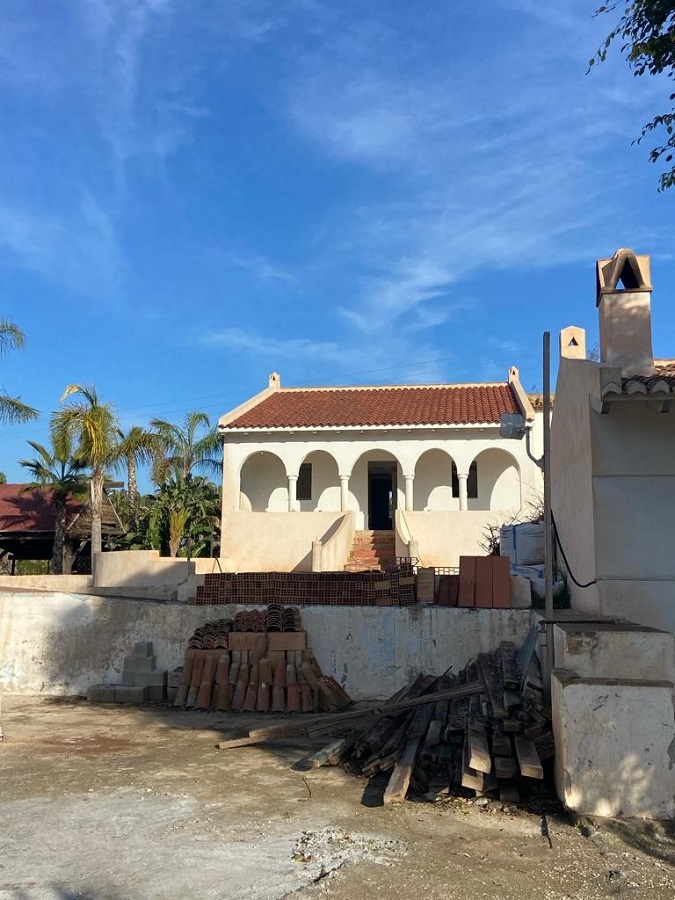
(398, 359)
(496, 166)
(257, 265)
(77, 249)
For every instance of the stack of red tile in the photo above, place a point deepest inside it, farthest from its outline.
(258, 662)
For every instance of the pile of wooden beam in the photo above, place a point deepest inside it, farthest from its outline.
(484, 730)
(486, 741)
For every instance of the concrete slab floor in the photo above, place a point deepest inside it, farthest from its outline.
(122, 803)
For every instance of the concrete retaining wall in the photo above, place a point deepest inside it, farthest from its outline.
(59, 643)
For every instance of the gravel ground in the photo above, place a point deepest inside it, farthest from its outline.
(122, 803)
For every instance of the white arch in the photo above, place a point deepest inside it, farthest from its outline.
(325, 482)
(499, 480)
(263, 483)
(433, 481)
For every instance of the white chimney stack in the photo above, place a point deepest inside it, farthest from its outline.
(624, 304)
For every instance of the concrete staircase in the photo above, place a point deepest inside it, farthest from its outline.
(371, 550)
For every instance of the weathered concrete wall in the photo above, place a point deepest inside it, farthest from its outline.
(614, 745)
(605, 650)
(62, 643)
(72, 583)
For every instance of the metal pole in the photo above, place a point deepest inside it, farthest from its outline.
(548, 519)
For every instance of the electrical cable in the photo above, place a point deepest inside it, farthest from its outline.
(564, 556)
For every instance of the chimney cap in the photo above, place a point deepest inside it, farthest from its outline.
(625, 271)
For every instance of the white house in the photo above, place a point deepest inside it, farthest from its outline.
(306, 468)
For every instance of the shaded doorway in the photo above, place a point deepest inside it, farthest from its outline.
(381, 495)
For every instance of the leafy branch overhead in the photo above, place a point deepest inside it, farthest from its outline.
(646, 32)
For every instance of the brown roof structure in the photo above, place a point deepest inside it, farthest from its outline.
(353, 407)
(28, 520)
(22, 510)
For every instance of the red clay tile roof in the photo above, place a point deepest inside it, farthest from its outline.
(345, 407)
(30, 511)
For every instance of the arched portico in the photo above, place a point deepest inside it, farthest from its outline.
(433, 485)
(263, 485)
(498, 481)
(318, 488)
(375, 489)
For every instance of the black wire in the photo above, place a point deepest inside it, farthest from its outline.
(562, 552)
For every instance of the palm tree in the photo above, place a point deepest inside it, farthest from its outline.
(11, 408)
(183, 450)
(92, 426)
(62, 472)
(136, 447)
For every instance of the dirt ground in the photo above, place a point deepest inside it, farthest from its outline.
(122, 803)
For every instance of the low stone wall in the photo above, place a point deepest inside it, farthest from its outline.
(59, 643)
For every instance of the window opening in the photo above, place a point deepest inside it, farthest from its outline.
(471, 484)
(304, 488)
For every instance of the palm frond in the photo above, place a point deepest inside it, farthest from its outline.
(13, 410)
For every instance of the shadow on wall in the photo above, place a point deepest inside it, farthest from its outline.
(305, 564)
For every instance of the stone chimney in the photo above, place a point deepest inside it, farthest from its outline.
(275, 381)
(624, 305)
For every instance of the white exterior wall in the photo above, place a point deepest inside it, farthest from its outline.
(572, 475)
(613, 487)
(259, 470)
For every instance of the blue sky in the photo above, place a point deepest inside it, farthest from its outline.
(194, 193)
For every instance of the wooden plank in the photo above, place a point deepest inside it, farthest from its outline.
(509, 664)
(511, 700)
(400, 777)
(472, 779)
(501, 743)
(333, 753)
(485, 667)
(483, 589)
(508, 792)
(505, 767)
(528, 758)
(339, 720)
(374, 739)
(467, 581)
(511, 726)
(479, 752)
(501, 582)
(526, 651)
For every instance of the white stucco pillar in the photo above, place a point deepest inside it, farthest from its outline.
(344, 493)
(230, 484)
(292, 493)
(463, 491)
(409, 482)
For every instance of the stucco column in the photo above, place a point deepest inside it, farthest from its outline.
(463, 491)
(231, 487)
(292, 493)
(409, 481)
(344, 493)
